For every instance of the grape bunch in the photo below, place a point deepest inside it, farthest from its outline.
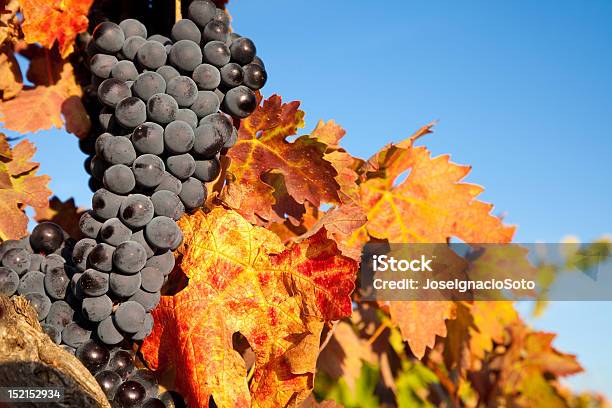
(123, 383)
(166, 109)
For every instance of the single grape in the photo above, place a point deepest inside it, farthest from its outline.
(136, 211)
(201, 12)
(131, 112)
(243, 51)
(119, 151)
(258, 61)
(124, 286)
(108, 37)
(138, 236)
(231, 75)
(147, 379)
(10, 244)
(54, 332)
(46, 237)
(101, 142)
(221, 122)
(93, 356)
(98, 167)
(130, 394)
(168, 204)
(109, 381)
(181, 166)
(81, 251)
(148, 138)
(215, 31)
(60, 314)
(240, 102)
(216, 53)
(162, 232)
(101, 65)
(255, 76)
(164, 262)
(105, 204)
(56, 283)
(148, 170)
(206, 170)
(36, 262)
(9, 282)
(108, 332)
(146, 330)
(101, 258)
(40, 302)
(208, 141)
(178, 137)
(193, 193)
(17, 259)
(170, 183)
(183, 90)
(119, 179)
(31, 282)
(206, 76)
(114, 232)
(148, 84)
(185, 55)
(186, 30)
(167, 72)
(122, 363)
(132, 45)
(96, 309)
(222, 17)
(112, 91)
(151, 55)
(160, 39)
(130, 257)
(206, 103)
(89, 226)
(94, 283)
(129, 317)
(148, 300)
(152, 279)
(124, 71)
(188, 116)
(75, 335)
(132, 27)
(162, 108)
(52, 261)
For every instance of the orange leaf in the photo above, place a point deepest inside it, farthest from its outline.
(243, 279)
(64, 213)
(54, 97)
(48, 21)
(262, 148)
(421, 321)
(11, 81)
(19, 186)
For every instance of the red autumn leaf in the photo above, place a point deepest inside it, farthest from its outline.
(243, 279)
(263, 148)
(49, 21)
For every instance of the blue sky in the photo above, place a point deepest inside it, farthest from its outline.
(522, 90)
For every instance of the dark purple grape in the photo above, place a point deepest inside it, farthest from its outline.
(186, 29)
(122, 362)
(216, 53)
(255, 76)
(112, 91)
(108, 37)
(130, 394)
(231, 75)
(185, 55)
(240, 102)
(46, 237)
(243, 51)
(215, 31)
(109, 381)
(101, 65)
(93, 356)
(201, 12)
(132, 27)
(151, 55)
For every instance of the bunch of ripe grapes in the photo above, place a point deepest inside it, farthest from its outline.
(165, 109)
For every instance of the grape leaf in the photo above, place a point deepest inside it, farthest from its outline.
(57, 94)
(243, 279)
(11, 81)
(262, 148)
(48, 21)
(64, 213)
(19, 187)
(9, 29)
